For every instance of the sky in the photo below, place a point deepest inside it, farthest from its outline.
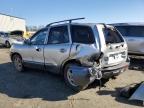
(42, 12)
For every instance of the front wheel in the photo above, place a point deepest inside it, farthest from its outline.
(17, 61)
(69, 79)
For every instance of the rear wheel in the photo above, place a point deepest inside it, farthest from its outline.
(69, 79)
(7, 44)
(17, 61)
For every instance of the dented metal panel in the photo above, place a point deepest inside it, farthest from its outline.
(83, 53)
(80, 75)
(85, 75)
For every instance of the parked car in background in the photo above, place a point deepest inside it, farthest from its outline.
(80, 52)
(134, 35)
(16, 37)
(4, 39)
(7, 39)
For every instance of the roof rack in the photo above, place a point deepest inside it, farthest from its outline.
(69, 20)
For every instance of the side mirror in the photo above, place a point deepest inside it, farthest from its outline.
(27, 41)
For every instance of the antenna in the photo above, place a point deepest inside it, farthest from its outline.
(69, 20)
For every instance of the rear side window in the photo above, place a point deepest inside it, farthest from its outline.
(112, 36)
(132, 31)
(58, 35)
(82, 34)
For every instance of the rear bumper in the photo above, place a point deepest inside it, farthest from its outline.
(86, 75)
(114, 70)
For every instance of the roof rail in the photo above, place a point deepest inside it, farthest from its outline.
(69, 20)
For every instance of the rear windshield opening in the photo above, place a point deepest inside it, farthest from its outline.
(112, 36)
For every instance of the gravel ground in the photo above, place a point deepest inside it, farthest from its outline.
(38, 89)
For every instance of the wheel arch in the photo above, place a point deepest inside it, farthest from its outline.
(67, 62)
(15, 53)
(7, 41)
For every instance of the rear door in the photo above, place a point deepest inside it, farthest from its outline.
(58, 48)
(85, 43)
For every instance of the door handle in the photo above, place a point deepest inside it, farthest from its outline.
(38, 49)
(62, 50)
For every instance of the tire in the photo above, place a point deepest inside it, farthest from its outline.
(18, 64)
(71, 83)
(7, 44)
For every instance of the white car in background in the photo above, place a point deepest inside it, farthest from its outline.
(4, 39)
(7, 39)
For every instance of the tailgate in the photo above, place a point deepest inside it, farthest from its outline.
(113, 46)
(114, 54)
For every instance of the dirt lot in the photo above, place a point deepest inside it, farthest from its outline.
(37, 89)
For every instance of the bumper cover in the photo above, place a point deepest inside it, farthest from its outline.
(114, 70)
(84, 75)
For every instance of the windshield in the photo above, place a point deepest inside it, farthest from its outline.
(112, 36)
(131, 30)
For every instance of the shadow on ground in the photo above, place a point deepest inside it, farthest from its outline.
(32, 84)
(39, 84)
(99, 84)
(118, 98)
(136, 64)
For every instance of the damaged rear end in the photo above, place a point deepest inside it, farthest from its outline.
(114, 48)
(102, 54)
(89, 68)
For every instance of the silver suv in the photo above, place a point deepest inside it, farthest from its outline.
(80, 52)
(134, 35)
